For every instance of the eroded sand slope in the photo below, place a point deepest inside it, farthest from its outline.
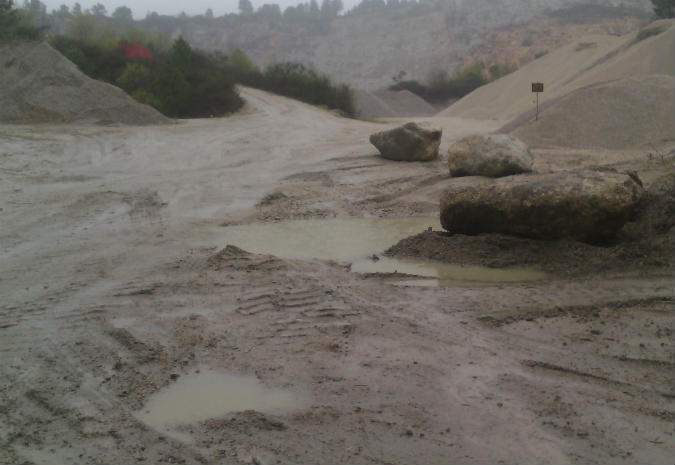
(589, 60)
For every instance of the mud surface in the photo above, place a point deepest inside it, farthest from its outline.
(115, 285)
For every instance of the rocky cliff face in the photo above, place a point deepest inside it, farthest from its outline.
(366, 50)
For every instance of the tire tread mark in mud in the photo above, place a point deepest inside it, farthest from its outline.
(317, 312)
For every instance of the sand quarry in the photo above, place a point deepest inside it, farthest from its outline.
(139, 325)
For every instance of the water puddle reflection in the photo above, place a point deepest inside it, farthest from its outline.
(446, 274)
(342, 239)
(208, 394)
(355, 239)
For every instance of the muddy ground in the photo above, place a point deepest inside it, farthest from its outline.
(114, 283)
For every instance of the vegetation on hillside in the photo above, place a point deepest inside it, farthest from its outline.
(186, 83)
(179, 82)
(172, 77)
(441, 87)
(15, 24)
(664, 8)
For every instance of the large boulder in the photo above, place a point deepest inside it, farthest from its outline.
(491, 155)
(587, 205)
(408, 143)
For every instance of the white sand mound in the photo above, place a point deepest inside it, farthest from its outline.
(585, 62)
(39, 85)
(389, 104)
(626, 113)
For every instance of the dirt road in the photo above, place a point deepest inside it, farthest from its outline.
(114, 283)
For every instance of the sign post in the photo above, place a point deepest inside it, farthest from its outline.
(537, 87)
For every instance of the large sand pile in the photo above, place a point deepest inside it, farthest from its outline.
(390, 104)
(39, 85)
(585, 62)
(621, 114)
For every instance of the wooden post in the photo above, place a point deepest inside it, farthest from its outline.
(537, 87)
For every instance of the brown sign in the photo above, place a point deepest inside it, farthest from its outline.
(537, 87)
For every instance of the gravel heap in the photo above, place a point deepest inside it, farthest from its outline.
(39, 85)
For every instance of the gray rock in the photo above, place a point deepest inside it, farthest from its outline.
(491, 155)
(587, 205)
(408, 143)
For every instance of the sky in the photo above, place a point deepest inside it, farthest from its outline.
(171, 7)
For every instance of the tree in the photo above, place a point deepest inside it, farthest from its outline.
(209, 13)
(77, 9)
(314, 12)
(98, 10)
(35, 6)
(15, 24)
(63, 12)
(664, 8)
(330, 9)
(269, 12)
(123, 15)
(180, 55)
(172, 84)
(81, 27)
(245, 7)
(241, 62)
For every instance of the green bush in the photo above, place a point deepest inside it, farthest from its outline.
(15, 24)
(180, 83)
(441, 87)
(664, 8)
(135, 77)
(296, 81)
(96, 61)
(468, 79)
(146, 97)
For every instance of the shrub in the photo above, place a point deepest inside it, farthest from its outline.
(411, 86)
(15, 24)
(441, 87)
(297, 81)
(664, 8)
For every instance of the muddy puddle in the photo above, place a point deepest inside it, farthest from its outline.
(341, 239)
(209, 394)
(357, 240)
(446, 274)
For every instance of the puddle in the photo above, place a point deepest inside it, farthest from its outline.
(208, 394)
(342, 239)
(355, 239)
(446, 274)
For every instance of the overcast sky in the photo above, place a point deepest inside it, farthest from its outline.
(193, 7)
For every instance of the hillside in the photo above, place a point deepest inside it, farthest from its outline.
(629, 113)
(584, 62)
(368, 48)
